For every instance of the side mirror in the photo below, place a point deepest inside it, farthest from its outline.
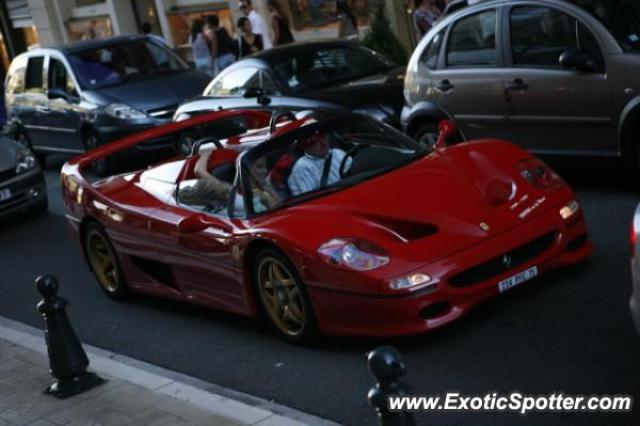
(57, 93)
(258, 93)
(447, 129)
(577, 61)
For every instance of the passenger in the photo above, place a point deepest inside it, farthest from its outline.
(318, 167)
(214, 194)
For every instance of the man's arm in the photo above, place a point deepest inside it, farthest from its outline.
(201, 172)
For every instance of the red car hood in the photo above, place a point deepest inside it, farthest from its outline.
(433, 207)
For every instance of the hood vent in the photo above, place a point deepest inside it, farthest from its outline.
(402, 229)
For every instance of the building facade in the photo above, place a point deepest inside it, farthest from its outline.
(27, 23)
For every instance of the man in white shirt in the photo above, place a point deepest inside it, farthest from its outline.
(318, 163)
(257, 23)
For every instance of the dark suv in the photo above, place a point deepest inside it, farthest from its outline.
(70, 99)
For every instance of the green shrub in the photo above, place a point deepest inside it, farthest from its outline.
(381, 39)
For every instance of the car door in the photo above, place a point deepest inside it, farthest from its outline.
(548, 104)
(202, 259)
(65, 112)
(33, 110)
(468, 82)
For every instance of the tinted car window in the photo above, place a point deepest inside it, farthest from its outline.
(59, 78)
(621, 18)
(473, 41)
(539, 35)
(235, 82)
(116, 64)
(313, 69)
(33, 79)
(430, 56)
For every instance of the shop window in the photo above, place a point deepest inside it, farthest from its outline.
(89, 29)
(319, 15)
(180, 24)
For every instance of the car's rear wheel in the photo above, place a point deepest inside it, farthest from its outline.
(104, 261)
(283, 297)
(22, 139)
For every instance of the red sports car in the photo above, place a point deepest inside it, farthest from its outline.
(334, 225)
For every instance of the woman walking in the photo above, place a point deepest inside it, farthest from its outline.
(248, 43)
(279, 24)
(200, 47)
(221, 44)
(426, 13)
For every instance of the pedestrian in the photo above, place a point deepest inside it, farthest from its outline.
(257, 22)
(425, 14)
(220, 43)
(248, 42)
(347, 22)
(200, 47)
(279, 24)
(146, 30)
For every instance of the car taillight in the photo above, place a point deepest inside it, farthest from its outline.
(539, 174)
(633, 238)
(353, 254)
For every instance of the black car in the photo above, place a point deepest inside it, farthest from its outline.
(70, 99)
(325, 75)
(22, 184)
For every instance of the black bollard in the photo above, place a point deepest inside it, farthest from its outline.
(68, 361)
(386, 366)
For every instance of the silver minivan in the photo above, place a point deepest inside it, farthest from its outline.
(557, 77)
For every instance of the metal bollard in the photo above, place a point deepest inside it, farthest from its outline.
(386, 366)
(68, 361)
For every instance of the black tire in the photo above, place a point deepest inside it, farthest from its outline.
(42, 206)
(22, 139)
(104, 166)
(96, 244)
(184, 144)
(293, 296)
(427, 134)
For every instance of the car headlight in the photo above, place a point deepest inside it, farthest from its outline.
(569, 210)
(353, 254)
(124, 112)
(25, 161)
(539, 174)
(411, 282)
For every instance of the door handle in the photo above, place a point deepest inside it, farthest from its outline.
(517, 85)
(445, 86)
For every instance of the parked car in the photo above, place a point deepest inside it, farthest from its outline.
(634, 241)
(399, 240)
(22, 186)
(337, 76)
(70, 99)
(556, 77)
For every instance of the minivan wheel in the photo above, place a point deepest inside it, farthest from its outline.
(103, 166)
(23, 140)
(184, 144)
(427, 135)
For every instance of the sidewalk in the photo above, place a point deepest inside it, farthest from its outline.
(135, 393)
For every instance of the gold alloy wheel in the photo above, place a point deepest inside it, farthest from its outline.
(103, 261)
(281, 296)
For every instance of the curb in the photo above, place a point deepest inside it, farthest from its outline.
(208, 397)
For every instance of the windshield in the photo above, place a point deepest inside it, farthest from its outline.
(323, 157)
(315, 69)
(621, 17)
(116, 64)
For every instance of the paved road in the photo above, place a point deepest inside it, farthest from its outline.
(569, 331)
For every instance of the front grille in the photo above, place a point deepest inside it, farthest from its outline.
(14, 201)
(504, 262)
(165, 112)
(7, 174)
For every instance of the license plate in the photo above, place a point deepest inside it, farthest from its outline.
(517, 279)
(5, 194)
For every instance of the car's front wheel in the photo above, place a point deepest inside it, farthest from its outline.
(427, 135)
(103, 166)
(22, 139)
(104, 261)
(184, 144)
(283, 297)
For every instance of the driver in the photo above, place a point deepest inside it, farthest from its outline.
(318, 167)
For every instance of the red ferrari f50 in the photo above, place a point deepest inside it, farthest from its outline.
(341, 226)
